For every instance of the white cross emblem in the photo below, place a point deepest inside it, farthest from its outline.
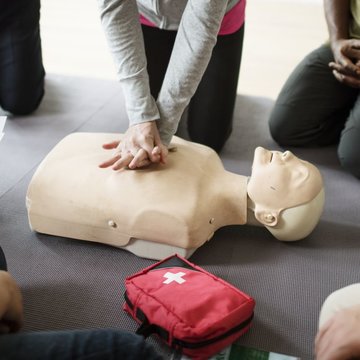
(170, 277)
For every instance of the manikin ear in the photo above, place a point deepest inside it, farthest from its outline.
(267, 217)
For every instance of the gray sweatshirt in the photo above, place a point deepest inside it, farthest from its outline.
(197, 23)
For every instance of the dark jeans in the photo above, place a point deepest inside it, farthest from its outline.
(21, 68)
(314, 109)
(210, 112)
(105, 344)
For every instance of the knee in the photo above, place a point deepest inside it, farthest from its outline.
(22, 103)
(285, 126)
(276, 132)
(340, 299)
(211, 134)
(279, 128)
(214, 141)
(349, 152)
(351, 163)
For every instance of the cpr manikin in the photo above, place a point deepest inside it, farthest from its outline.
(176, 207)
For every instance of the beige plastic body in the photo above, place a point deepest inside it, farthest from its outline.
(170, 208)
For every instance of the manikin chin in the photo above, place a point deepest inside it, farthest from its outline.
(173, 208)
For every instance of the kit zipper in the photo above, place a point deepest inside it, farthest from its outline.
(196, 345)
(147, 329)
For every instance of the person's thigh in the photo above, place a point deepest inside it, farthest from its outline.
(158, 47)
(76, 344)
(21, 67)
(313, 106)
(349, 145)
(210, 112)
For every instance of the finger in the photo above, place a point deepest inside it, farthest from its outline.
(348, 65)
(148, 146)
(332, 348)
(111, 145)
(323, 330)
(351, 81)
(347, 80)
(160, 150)
(354, 53)
(335, 66)
(343, 59)
(140, 156)
(340, 69)
(160, 155)
(144, 163)
(338, 76)
(123, 162)
(156, 151)
(322, 335)
(110, 162)
(164, 154)
(354, 43)
(156, 154)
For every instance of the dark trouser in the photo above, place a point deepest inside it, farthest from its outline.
(314, 109)
(21, 68)
(104, 344)
(210, 112)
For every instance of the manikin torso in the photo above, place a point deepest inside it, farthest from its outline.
(183, 202)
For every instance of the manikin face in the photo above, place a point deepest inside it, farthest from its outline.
(280, 180)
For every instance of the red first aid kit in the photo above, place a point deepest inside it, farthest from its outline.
(192, 310)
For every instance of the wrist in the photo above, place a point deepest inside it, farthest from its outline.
(336, 45)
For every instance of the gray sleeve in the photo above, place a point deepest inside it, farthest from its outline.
(120, 20)
(192, 50)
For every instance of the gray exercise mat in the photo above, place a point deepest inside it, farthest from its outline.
(70, 284)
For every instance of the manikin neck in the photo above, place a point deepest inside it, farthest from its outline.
(232, 188)
(251, 219)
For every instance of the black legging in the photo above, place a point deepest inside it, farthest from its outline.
(21, 68)
(210, 112)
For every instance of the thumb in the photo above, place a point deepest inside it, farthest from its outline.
(111, 145)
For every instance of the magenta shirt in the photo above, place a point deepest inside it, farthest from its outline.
(232, 21)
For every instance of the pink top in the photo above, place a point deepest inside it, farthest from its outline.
(232, 21)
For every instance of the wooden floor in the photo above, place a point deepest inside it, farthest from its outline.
(278, 34)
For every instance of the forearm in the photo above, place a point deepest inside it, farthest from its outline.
(337, 15)
(192, 50)
(119, 19)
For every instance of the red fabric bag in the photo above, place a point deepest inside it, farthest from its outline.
(192, 310)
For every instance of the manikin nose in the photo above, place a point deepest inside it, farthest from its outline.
(287, 155)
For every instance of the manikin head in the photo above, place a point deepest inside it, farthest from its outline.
(286, 194)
